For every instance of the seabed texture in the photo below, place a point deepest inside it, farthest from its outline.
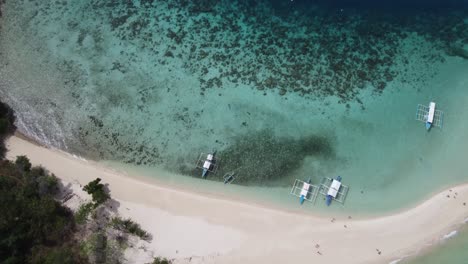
(280, 90)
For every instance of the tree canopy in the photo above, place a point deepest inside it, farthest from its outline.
(97, 191)
(7, 127)
(34, 227)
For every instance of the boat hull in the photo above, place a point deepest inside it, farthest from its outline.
(428, 125)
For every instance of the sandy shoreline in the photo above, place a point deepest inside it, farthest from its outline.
(195, 228)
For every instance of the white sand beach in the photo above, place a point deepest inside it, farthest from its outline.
(190, 227)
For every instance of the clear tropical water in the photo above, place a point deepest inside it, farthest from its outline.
(451, 251)
(281, 89)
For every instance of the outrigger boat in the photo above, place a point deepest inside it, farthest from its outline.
(229, 177)
(429, 115)
(304, 190)
(333, 190)
(208, 164)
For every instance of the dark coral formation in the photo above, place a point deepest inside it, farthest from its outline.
(329, 52)
(458, 50)
(261, 157)
(143, 153)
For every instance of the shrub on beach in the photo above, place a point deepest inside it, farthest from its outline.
(127, 225)
(97, 191)
(160, 260)
(81, 216)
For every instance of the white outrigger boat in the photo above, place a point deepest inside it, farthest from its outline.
(429, 115)
(333, 190)
(304, 190)
(209, 164)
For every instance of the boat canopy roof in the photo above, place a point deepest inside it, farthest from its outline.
(430, 114)
(305, 189)
(207, 164)
(334, 187)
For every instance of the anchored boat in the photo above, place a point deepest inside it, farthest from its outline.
(304, 190)
(229, 177)
(429, 115)
(208, 164)
(333, 190)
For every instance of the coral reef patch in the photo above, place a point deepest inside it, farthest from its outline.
(262, 158)
(324, 52)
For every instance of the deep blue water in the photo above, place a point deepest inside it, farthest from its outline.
(401, 5)
(397, 10)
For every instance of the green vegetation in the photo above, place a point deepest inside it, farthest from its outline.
(7, 127)
(23, 164)
(34, 227)
(160, 260)
(97, 191)
(81, 216)
(127, 225)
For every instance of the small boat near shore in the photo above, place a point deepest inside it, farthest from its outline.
(333, 190)
(304, 190)
(229, 177)
(429, 115)
(208, 164)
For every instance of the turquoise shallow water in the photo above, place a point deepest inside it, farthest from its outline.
(279, 96)
(280, 93)
(452, 251)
